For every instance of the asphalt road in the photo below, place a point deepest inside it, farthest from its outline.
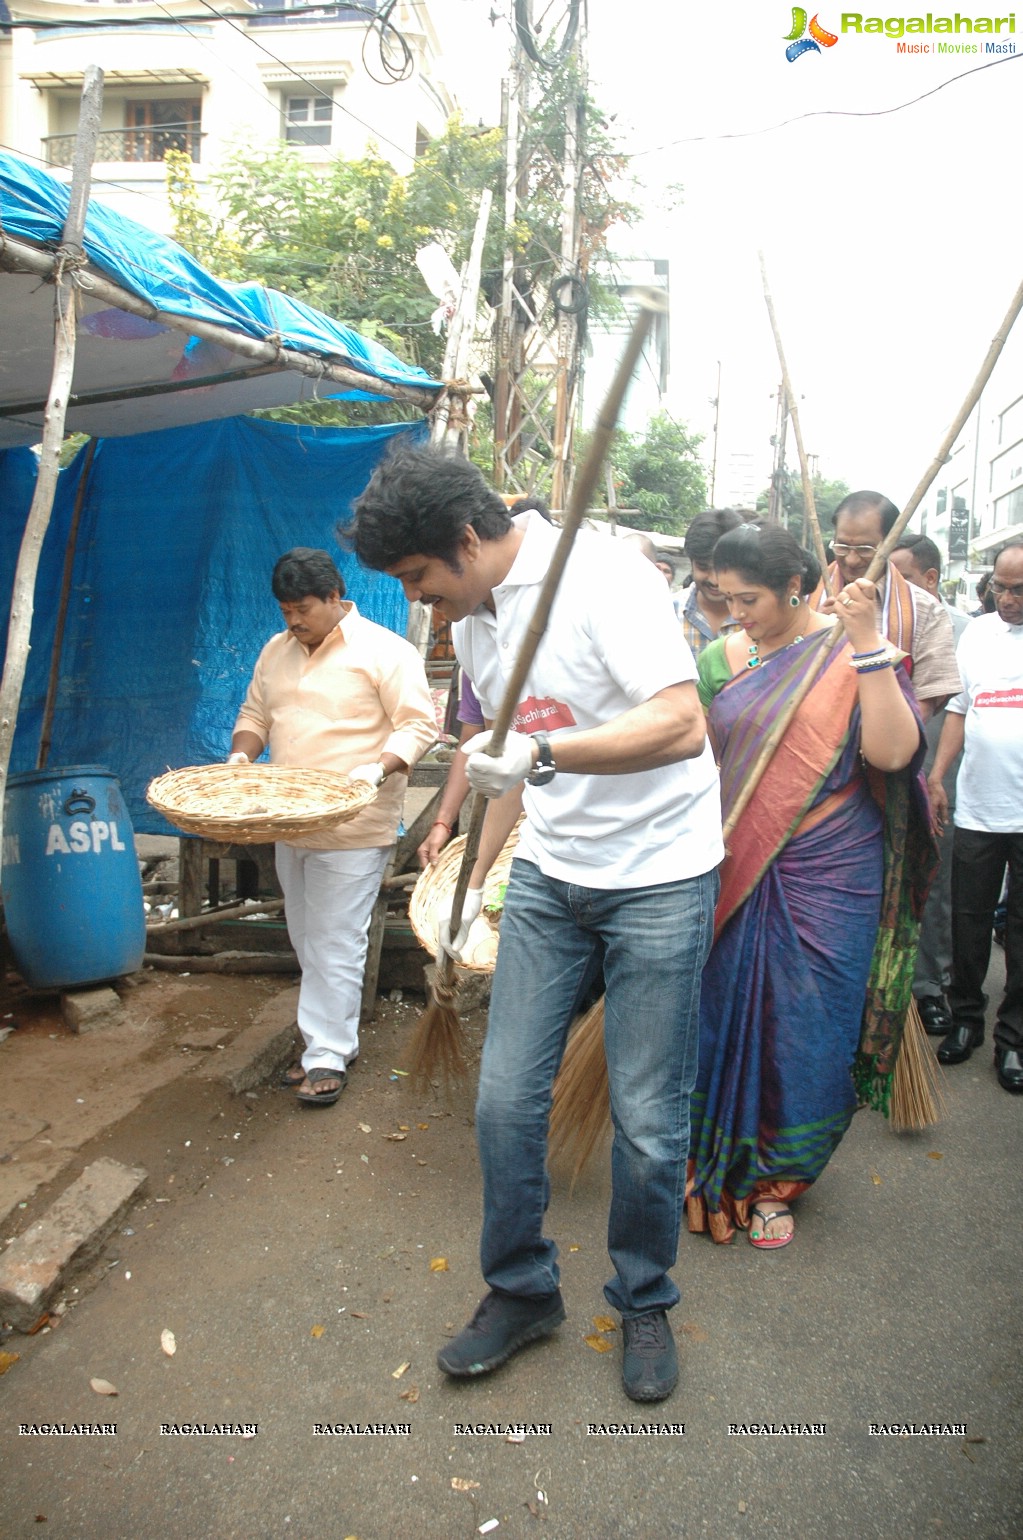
(296, 1277)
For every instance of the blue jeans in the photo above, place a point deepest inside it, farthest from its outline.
(653, 943)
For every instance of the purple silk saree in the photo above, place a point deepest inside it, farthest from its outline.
(784, 988)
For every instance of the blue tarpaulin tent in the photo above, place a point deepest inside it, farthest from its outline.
(170, 596)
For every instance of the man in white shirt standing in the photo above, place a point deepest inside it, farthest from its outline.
(334, 691)
(616, 865)
(986, 721)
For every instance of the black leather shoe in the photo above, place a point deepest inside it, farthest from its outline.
(935, 1015)
(959, 1044)
(1009, 1064)
(503, 1323)
(650, 1364)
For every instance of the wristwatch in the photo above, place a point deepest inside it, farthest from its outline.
(545, 769)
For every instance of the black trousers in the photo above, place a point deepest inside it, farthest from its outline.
(979, 862)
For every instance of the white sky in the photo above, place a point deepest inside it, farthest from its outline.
(892, 242)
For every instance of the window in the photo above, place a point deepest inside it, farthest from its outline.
(1009, 509)
(307, 119)
(1010, 423)
(154, 127)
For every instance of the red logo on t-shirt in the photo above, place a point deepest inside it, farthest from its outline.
(999, 698)
(545, 715)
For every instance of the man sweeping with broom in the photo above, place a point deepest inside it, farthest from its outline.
(616, 866)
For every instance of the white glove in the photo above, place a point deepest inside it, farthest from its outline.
(374, 774)
(493, 777)
(470, 910)
(238, 758)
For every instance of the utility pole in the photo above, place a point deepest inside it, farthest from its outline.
(538, 354)
(775, 505)
(716, 404)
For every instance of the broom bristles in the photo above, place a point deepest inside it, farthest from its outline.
(437, 1046)
(581, 1109)
(918, 1099)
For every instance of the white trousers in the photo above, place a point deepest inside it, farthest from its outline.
(329, 897)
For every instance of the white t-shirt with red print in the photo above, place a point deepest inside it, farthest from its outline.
(989, 795)
(612, 642)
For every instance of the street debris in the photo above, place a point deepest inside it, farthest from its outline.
(103, 1387)
(168, 1343)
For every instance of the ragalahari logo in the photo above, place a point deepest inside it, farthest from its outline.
(806, 39)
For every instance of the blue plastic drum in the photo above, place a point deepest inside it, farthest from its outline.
(72, 888)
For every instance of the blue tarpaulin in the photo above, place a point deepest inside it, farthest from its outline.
(170, 596)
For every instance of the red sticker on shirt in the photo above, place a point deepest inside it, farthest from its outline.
(999, 698)
(534, 716)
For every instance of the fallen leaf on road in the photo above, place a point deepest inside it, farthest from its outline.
(396, 1374)
(438, 1264)
(103, 1387)
(412, 1394)
(598, 1344)
(168, 1344)
(742, 1507)
(935, 1155)
(460, 1484)
(397, 1138)
(404, 1127)
(875, 1179)
(317, 1331)
(6, 1359)
(573, 1248)
(692, 1330)
(423, 1126)
(365, 1127)
(604, 1323)
(359, 1315)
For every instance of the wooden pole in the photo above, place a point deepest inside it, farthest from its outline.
(877, 565)
(46, 735)
(651, 302)
(452, 428)
(69, 257)
(809, 505)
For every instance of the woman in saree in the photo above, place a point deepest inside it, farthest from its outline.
(796, 925)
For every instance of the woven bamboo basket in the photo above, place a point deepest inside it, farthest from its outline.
(255, 804)
(438, 882)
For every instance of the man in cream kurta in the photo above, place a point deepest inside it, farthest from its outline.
(334, 691)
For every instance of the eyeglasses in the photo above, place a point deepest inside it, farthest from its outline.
(1006, 590)
(841, 549)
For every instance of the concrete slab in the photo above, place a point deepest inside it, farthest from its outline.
(69, 1235)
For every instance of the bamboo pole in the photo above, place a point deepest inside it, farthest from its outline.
(456, 355)
(877, 565)
(46, 734)
(69, 258)
(793, 410)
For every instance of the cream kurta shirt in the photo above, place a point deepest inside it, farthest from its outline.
(362, 693)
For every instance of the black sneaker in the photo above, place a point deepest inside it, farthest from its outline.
(650, 1365)
(503, 1323)
(935, 1015)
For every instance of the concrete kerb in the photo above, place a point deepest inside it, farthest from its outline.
(258, 1054)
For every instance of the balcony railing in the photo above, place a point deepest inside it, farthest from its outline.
(129, 144)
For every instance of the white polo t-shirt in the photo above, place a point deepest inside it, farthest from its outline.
(612, 642)
(989, 792)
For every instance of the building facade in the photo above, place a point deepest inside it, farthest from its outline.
(329, 79)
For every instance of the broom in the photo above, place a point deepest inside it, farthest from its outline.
(437, 1043)
(917, 1101)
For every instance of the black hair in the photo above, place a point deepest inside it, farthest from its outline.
(418, 502)
(868, 502)
(769, 556)
(706, 530)
(925, 553)
(660, 560)
(304, 571)
(537, 504)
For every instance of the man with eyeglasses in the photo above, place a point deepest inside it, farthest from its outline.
(912, 619)
(985, 720)
(919, 560)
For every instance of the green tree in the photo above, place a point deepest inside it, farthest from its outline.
(661, 475)
(826, 497)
